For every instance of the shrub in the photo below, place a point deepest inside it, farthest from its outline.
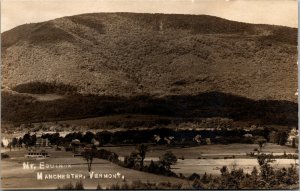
(115, 187)
(99, 187)
(107, 155)
(79, 186)
(68, 186)
(194, 176)
(168, 159)
(4, 156)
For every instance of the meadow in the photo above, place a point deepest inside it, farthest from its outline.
(199, 159)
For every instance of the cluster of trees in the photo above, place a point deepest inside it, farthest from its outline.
(211, 25)
(46, 33)
(28, 140)
(266, 177)
(181, 137)
(279, 137)
(125, 186)
(69, 186)
(163, 166)
(134, 161)
(4, 156)
(88, 21)
(139, 185)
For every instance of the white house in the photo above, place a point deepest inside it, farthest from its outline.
(247, 135)
(197, 139)
(5, 141)
(293, 137)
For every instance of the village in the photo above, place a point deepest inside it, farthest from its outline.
(190, 133)
(139, 148)
(39, 143)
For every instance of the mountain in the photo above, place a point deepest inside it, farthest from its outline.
(181, 66)
(130, 54)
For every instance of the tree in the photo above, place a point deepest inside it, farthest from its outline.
(54, 138)
(32, 140)
(261, 142)
(14, 142)
(167, 160)
(266, 132)
(224, 171)
(89, 154)
(266, 170)
(88, 136)
(103, 137)
(283, 136)
(9, 145)
(20, 141)
(134, 160)
(254, 172)
(152, 167)
(294, 143)
(204, 178)
(142, 149)
(26, 139)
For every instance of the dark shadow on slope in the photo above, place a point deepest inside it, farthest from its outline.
(45, 88)
(19, 108)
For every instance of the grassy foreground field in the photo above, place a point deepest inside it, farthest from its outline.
(212, 159)
(15, 177)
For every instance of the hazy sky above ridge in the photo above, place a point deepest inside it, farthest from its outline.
(277, 12)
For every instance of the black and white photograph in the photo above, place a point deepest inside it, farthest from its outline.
(149, 95)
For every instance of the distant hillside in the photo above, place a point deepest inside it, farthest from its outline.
(129, 54)
(20, 108)
(135, 54)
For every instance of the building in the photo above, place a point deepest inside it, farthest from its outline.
(41, 142)
(76, 146)
(37, 154)
(293, 138)
(5, 141)
(208, 141)
(95, 142)
(248, 135)
(197, 139)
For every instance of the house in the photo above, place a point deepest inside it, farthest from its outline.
(248, 135)
(37, 154)
(169, 140)
(95, 142)
(208, 141)
(157, 138)
(293, 138)
(197, 139)
(76, 146)
(42, 142)
(5, 141)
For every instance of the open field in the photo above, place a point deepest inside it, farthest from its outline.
(213, 166)
(207, 151)
(212, 159)
(14, 176)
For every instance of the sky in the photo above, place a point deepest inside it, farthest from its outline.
(277, 12)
